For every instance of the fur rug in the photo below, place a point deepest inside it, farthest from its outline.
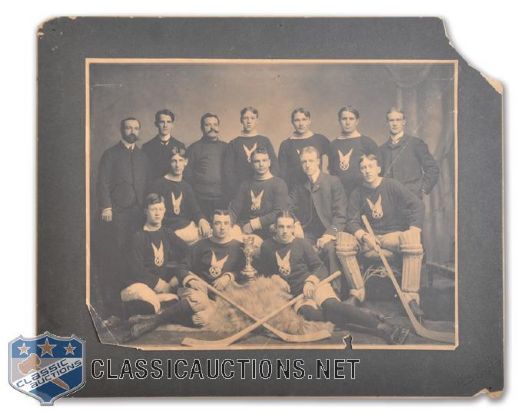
(260, 297)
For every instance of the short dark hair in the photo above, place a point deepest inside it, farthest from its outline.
(206, 116)
(130, 118)
(152, 199)
(164, 112)
(370, 157)
(222, 212)
(309, 149)
(248, 109)
(395, 109)
(348, 108)
(284, 214)
(260, 150)
(178, 150)
(300, 111)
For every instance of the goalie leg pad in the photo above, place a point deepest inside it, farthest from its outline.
(412, 250)
(347, 248)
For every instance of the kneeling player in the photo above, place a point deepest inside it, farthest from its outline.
(183, 215)
(296, 265)
(217, 260)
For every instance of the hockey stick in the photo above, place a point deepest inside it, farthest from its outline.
(315, 336)
(447, 337)
(222, 343)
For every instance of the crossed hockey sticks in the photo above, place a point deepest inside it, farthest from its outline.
(221, 343)
(447, 337)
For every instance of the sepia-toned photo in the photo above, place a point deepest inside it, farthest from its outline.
(256, 204)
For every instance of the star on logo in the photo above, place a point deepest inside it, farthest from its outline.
(46, 348)
(69, 349)
(24, 349)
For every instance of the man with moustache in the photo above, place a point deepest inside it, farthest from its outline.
(123, 175)
(160, 148)
(205, 166)
(237, 164)
(347, 149)
(289, 153)
(406, 158)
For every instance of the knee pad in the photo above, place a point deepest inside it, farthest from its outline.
(412, 250)
(347, 248)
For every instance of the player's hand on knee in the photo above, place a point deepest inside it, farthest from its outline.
(161, 286)
(197, 284)
(371, 242)
(310, 286)
(322, 241)
(223, 281)
(281, 283)
(204, 228)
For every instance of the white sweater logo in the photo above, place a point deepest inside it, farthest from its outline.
(344, 159)
(158, 254)
(256, 200)
(216, 265)
(377, 208)
(284, 264)
(249, 151)
(176, 204)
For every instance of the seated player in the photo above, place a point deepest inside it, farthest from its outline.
(147, 288)
(238, 156)
(396, 216)
(217, 260)
(183, 215)
(346, 149)
(260, 198)
(296, 266)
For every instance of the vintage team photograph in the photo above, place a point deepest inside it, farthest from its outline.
(284, 204)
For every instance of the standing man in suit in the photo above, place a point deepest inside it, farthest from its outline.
(407, 159)
(123, 175)
(160, 148)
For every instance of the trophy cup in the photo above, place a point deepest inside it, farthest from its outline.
(249, 271)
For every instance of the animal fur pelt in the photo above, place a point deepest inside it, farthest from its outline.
(260, 297)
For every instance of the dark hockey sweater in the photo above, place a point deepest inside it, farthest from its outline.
(179, 199)
(210, 260)
(289, 157)
(147, 258)
(294, 262)
(344, 156)
(261, 199)
(237, 160)
(160, 155)
(389, 207)
(204, 170)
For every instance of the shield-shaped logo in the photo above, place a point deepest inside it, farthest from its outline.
(47, 367)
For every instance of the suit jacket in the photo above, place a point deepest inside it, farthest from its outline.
(328, 198)
(410, 162)
(160, 155)
(122, 177)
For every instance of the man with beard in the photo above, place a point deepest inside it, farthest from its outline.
(160, 148)
(205, 165)
(289, 153)
(261, 198)
(396, 216)
(296, 266)
(217, 260)
(347, 149)
(407, 159)
(183, 215)
(237, 165)
(123, 176)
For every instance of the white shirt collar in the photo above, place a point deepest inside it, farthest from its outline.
(127, 145)
(165, 139)
(395, 139)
